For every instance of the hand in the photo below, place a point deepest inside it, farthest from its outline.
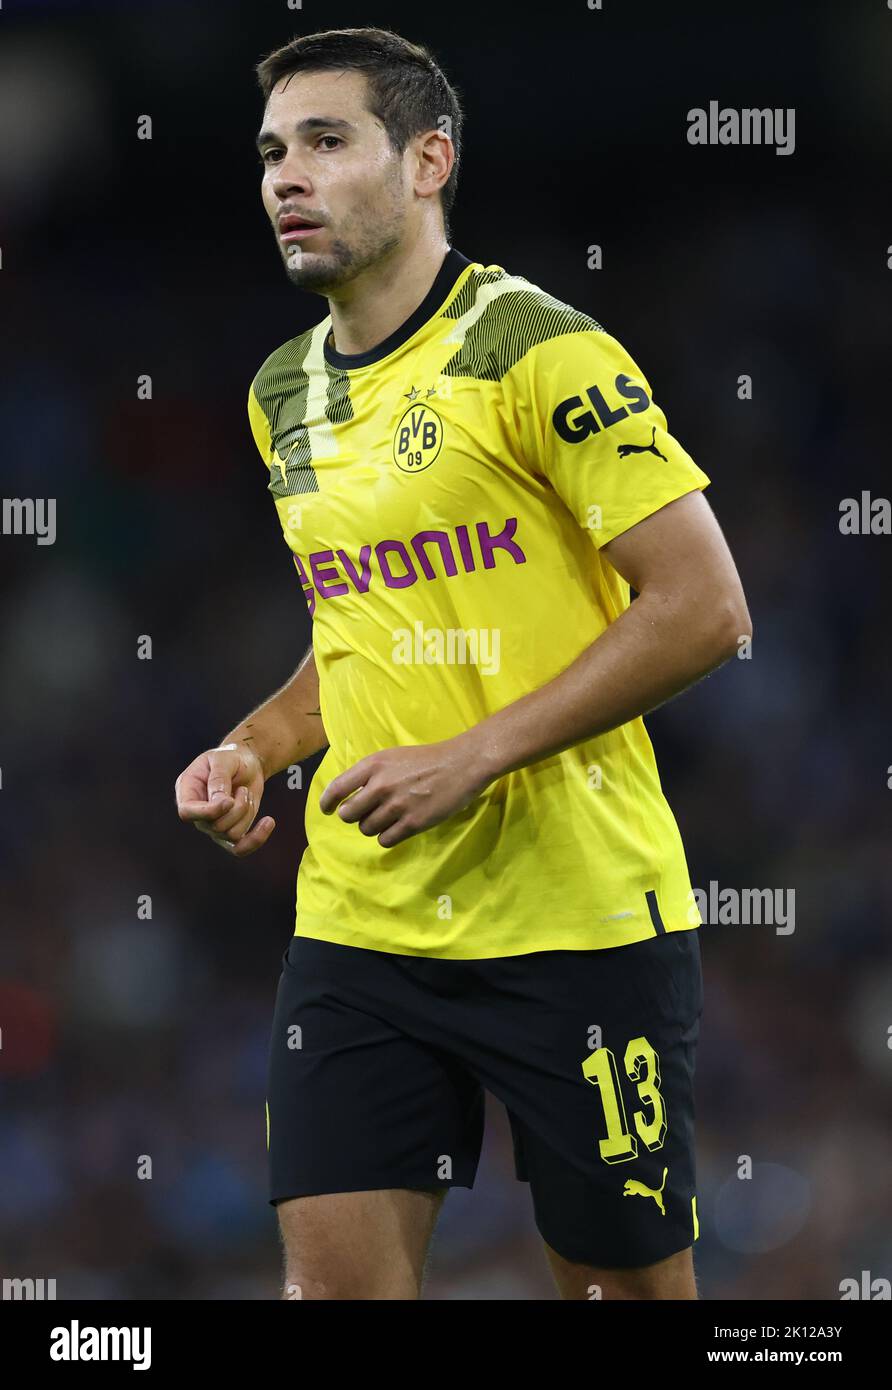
(399, 792)
(220, 794)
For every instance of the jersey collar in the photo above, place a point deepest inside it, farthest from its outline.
(453, 265)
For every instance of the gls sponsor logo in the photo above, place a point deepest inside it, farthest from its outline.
(575, 422)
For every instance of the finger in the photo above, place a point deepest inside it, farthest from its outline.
(204, 810)
(347, 782)
(191, 791)
(221, 768)
(229, 837)
(380, 818)
(254, 839)
(395, 834)
(191, 785)
(241, 809)
(361, 803)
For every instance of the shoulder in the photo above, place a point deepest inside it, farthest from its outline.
(500, 318)
(286, 369)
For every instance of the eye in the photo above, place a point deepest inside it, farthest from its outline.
(271, 155)
(336, 138)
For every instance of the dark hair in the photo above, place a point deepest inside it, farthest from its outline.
(407, 91)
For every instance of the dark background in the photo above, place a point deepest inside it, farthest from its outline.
(124, 1037)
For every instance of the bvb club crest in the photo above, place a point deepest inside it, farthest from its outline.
(418, 439)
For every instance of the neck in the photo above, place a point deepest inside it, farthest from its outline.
(383, 296)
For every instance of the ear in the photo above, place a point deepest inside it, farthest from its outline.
(435, 156)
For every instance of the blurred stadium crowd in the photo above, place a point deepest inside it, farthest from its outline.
(127, 1037)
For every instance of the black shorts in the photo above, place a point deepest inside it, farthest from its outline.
(378, 1063)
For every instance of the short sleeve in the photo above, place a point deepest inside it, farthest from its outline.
(259, 426)
(587, 421)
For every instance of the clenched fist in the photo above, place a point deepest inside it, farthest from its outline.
(220, 794)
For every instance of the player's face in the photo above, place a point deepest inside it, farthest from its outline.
(333, 186)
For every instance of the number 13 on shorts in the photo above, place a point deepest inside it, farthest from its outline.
(642, 1066)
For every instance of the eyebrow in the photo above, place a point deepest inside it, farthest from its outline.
(306, 127)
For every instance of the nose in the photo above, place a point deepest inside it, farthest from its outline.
(290, 177)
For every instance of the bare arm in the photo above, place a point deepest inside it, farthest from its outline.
(687, 620)
(286, 728)
(220, 790)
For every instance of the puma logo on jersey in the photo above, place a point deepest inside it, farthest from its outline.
(651, 448)
(634, 1188)
(284, 455)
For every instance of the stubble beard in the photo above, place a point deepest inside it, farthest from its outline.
(378, 233)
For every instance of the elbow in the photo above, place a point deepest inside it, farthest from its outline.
(731, 630)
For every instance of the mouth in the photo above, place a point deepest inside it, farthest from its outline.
(292, 227)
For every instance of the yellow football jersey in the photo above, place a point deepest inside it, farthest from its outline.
(446, 496)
